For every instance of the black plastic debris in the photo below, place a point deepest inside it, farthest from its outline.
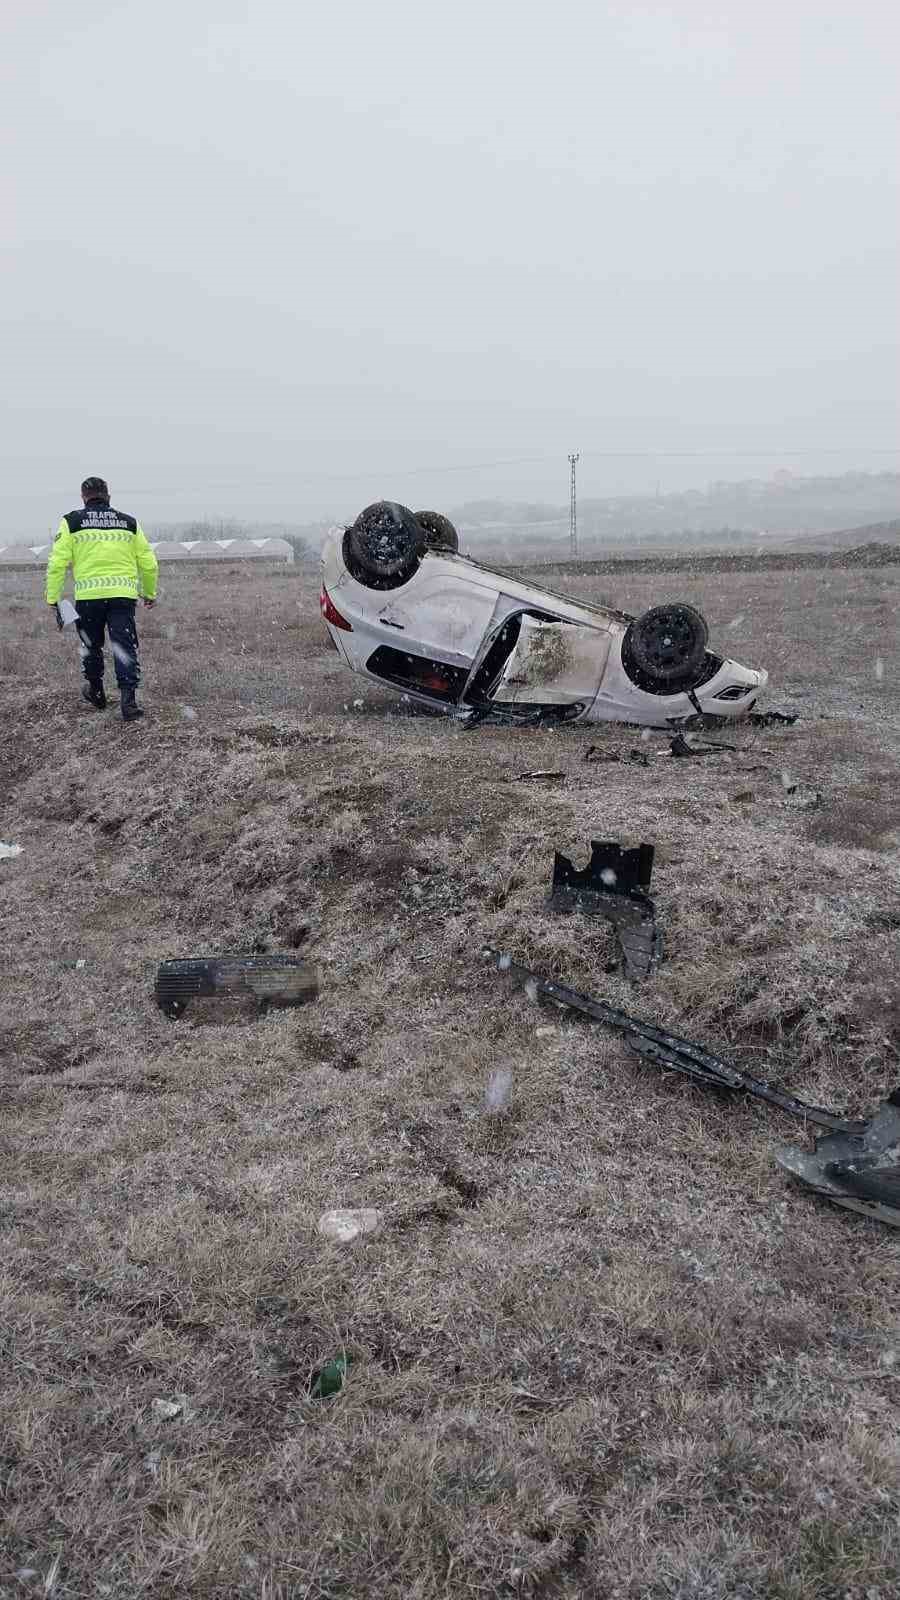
(769, 719)
(259, 981)
(668, 1050)
(860, 1171)
(681, 747)
(596, 753)
(522, 714)
(614, 885)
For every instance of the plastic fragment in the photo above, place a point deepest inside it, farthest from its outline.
(344, 1225)
(167, 1410)
(260, 981)
(329, 1379)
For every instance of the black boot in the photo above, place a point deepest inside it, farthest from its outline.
(130, 710)
(94, 695)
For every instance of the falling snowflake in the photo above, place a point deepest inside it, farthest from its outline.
(879, 668)
(498, 1091)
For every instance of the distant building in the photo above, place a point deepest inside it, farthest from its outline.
(173, 550)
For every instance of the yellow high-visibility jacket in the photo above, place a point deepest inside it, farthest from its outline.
(109, 555)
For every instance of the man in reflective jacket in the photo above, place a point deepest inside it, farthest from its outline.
(113, 566)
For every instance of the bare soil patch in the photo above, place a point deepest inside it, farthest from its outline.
(599, 1346)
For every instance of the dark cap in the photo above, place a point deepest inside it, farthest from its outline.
(95, 489)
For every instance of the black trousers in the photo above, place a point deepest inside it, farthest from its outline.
(116, 618)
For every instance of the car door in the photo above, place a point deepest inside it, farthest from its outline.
(553, 663)
(443, 615)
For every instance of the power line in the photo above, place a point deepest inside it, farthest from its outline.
(247, 480)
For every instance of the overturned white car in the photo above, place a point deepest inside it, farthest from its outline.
(403, 608)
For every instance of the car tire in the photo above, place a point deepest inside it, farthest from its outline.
(385, 542)
(439, 531)
(667, 643)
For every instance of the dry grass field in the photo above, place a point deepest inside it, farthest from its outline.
(600, 1346)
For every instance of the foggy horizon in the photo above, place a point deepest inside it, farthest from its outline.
(275, 267)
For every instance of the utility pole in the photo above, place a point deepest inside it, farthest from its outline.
(573, 511)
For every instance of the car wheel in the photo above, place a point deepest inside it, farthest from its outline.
(384, 542)
(439, 531)
(667, 643)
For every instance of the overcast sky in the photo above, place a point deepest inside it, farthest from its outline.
(300, 257)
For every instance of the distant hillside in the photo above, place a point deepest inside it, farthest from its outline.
(850, 538)
(852, 509)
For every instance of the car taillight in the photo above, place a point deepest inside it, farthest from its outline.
(331, 614)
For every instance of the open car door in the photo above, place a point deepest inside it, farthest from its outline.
(552, 663)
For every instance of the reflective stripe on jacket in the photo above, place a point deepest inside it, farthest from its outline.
(109, 555)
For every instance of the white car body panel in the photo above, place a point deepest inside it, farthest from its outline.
(451, 611)
(554, 663)
(442, 617)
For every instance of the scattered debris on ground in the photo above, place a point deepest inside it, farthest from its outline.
(329, 1379)
(614, 885)
(682, 746)
(258, 981)
(596, 1304)
(8, 851)
(668, 1049)
(541, 777)
(167, 1410)
(861, 1170)
(596, 753)
(342, 1226)
(770, 719)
